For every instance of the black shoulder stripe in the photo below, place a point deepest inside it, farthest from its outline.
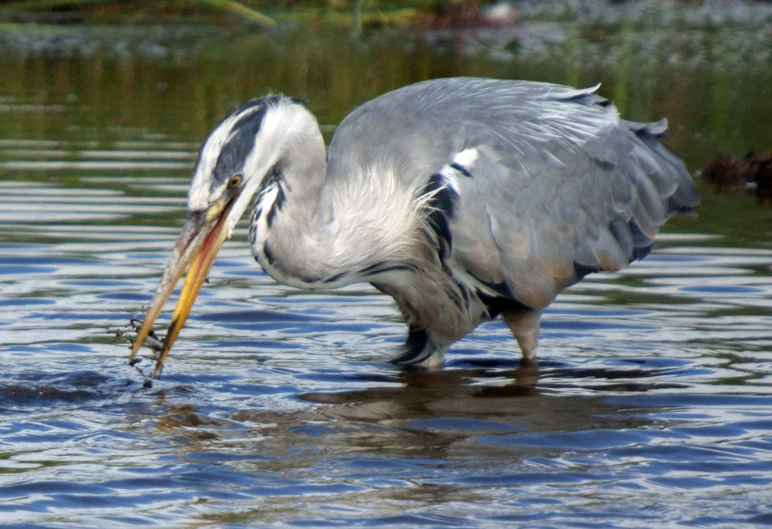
(442, 206)
(461, 169)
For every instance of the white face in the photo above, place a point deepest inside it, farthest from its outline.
(224, 153)
(248, 142)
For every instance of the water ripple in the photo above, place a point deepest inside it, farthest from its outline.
(276, 408)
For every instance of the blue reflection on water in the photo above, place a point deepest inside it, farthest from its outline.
(277, 408)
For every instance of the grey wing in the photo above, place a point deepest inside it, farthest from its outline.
(548, 183)
(576, 191)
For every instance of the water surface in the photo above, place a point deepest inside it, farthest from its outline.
(276, 407)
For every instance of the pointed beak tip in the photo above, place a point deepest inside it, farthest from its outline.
(196, 249)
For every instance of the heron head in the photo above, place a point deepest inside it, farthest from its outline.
(231, 165)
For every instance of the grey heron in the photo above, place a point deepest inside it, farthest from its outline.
(463, 199)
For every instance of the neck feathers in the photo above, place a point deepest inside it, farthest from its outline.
(357, 228)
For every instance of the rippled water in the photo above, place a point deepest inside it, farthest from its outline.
(652, 405)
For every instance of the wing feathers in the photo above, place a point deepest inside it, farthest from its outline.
(561, 187)
(624, 237)
(649, 207)
(608, 253)
(591, 198)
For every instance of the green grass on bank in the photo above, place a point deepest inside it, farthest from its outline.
(259, 12)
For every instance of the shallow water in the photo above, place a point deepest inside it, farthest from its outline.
(652, 405)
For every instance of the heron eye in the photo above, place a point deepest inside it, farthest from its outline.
(235, 181)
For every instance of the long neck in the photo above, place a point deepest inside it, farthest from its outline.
(314, 231)
(286, 201)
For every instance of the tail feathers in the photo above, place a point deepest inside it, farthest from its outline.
(659, 187)
(665, 168)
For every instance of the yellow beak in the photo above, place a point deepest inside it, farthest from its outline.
(198, 244)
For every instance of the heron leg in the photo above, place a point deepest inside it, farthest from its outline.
(524, 324)
(420, 350)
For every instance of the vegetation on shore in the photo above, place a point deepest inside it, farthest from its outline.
(263, 13)
(360, 14)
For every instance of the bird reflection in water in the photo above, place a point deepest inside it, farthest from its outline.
(420, 412)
